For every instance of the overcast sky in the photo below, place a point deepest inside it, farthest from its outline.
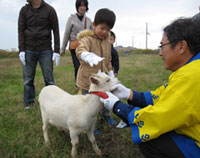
(130, 26)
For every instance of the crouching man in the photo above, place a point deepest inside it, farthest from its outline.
(166, 122)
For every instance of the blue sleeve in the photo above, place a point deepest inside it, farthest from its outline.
(122, 110)
(141, 99)
(148, 98)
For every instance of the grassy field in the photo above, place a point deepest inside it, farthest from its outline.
(21, 130)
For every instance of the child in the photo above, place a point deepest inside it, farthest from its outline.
(94, 53)
(114, 55)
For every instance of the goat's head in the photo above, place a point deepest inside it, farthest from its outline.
(102, 82)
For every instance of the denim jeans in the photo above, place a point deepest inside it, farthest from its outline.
(46, 64)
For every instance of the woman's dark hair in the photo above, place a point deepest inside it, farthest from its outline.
(79, 3)
(184, 29)
(105, 16)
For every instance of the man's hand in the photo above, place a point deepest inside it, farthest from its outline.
(91, 58)
(121, 91)
(22, 57)
(110, 101)
(56, 57)
(62, 52)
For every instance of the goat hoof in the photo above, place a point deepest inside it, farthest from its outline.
(74, 156)
(98, 152)
(46, 142)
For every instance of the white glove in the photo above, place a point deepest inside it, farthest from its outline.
(56, 57)
(22, 57)
(121, 91)
(91, 58)
(111, 74)
(110, 101)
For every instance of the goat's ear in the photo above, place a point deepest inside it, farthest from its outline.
(94, 80)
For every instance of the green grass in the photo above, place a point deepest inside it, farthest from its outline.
(21, 131)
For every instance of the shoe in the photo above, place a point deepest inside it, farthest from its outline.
(97, 132)
(122, 124)
(111, 122)
(27, 106)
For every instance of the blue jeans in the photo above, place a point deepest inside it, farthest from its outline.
(46, 64)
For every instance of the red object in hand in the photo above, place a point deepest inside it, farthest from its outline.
(101, 94)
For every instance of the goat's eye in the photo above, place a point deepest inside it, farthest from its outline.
(108, 80)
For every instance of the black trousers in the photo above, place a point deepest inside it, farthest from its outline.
(75, 62)
(162, 147)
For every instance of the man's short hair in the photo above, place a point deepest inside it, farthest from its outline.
(79, 2)
(184, 29)
(105, 16)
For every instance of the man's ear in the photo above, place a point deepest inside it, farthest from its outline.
(94, 80)
(183, 46)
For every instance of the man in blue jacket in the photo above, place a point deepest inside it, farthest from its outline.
(165, 122)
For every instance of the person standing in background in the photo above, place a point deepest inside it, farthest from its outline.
(76, 22)
(114, 54)
(36, 21)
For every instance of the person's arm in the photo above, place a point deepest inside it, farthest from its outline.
(55, 27)
(84, 46)
(115, 60)
(89, 23)
(122, 110)
(109, 63)
(140, 99)
(83, 52)
(21, 29)
(134, 98)
(66, 37)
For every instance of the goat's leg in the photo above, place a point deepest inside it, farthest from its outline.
(74, 141)
(91, 138)
(45, 129)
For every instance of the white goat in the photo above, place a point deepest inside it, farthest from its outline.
(77, 113)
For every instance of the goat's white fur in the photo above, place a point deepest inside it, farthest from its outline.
(77, 113)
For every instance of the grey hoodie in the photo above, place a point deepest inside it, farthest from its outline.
(73, 27)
